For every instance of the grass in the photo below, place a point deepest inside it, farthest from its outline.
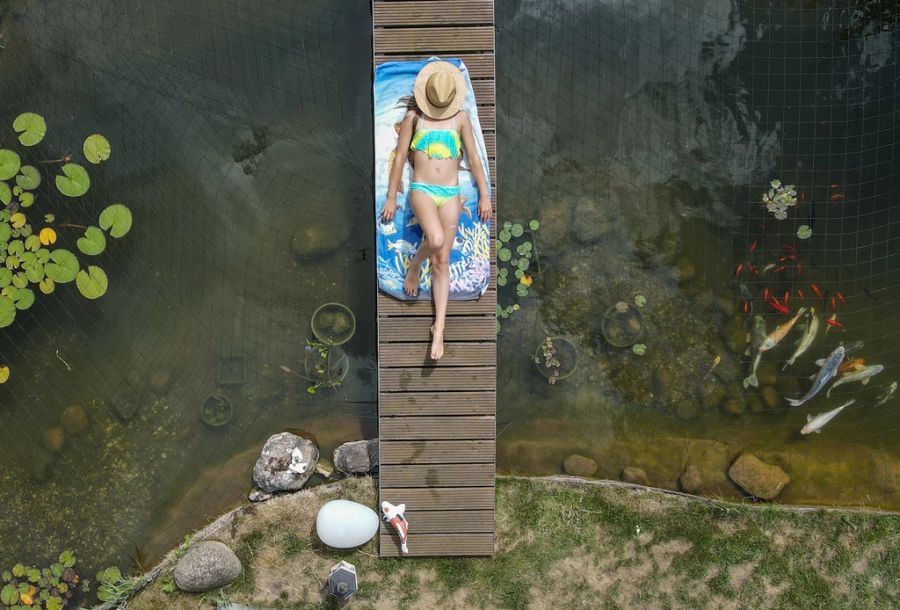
(579, 546)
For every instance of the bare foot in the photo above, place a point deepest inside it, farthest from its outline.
(411, 283)
(437, 343)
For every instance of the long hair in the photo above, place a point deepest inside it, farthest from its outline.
(408, 102)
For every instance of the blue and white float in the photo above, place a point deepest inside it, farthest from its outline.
(343, 524)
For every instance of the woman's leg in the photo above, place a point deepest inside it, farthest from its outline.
(440, 273)
(427, 214)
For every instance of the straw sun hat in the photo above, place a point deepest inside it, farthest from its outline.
(440, 90)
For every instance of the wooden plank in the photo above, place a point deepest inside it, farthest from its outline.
(437, 475)
(440, 498)
(455, 354)
(433, 12)
(461, 328)
(435, 452)
(392, 404)
(487, 118)
(433, 40)
(445, 521)
(449, 428)
(389, 306)
(490, 143)
(427, 545)
(484, 92)
(480, 65)
(437, 379)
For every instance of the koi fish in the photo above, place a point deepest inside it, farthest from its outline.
(809, 335)
(833, 323)
(777, 306)
(856, 364)
(853, 348)
(815, 424)
(715, 363)
(781, 331)
(757, 336)
(394, 516)
(863, 376)
(886, 395)
(816, 290)
(829, 367)
(837, 197)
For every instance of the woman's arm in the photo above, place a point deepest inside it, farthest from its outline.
(468, 139)
(400, 156)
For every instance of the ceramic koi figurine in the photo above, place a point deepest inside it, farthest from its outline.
(394, 516)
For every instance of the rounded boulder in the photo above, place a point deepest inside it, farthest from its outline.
(579, 465)
(757, 478)
(207, 565)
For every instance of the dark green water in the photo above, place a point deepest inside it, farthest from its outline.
(640, 134)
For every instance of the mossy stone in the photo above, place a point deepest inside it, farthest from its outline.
(633, 474)
(770, 396)
(691, 479)
(74, 419)
(734, 406)
(579, 465)
(54, 439)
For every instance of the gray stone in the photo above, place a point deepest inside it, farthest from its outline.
(734, 406)
(691, 479)
(579, 466)
(357, 457)
(757, 478)
(635, 475)
(206, 565)
(590, 221)
(273, 472)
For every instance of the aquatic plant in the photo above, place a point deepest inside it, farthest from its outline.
(804, 232)
(50, 588)
(555, 358)
(515, 253)
(27, 259)
(779, 198)
(324, 365)
(113, 587)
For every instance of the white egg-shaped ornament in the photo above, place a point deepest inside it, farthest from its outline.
(342, 524)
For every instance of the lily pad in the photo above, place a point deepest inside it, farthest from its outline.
(804, 231)
(63, 268)
(503, 272)
(523, 264)
(534, 225)
(47, 236)
(516, 230)
(504, 255)
(29, 177)
(504, 236)
(7, 311)
(34, 273)
(92, 282)
(23, 298)
(93, 242)
(5, 193)
(4, 377)
(31, 128)
(42, 256)
(5, 232)
(18, 220)
(639, 348)
(74, 182)
(640, 300)
(20, 280)
(33, 243)
(519, 273)
(5, 277)
(26, 200)
(116, 219)
(47, 285)
(96, 148)
(501, 280)
(9, 164)
(507, 225)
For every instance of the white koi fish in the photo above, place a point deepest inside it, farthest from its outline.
(829, 369)
(809, 335)
(781, 331)
(815, 424)
(886, 395)
(757, 336)
(863, 375)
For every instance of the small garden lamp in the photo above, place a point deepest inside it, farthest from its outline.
(342, 580)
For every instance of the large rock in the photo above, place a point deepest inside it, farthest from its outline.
(761, 480)
(206, 565)
(590, 222)
(579, 466)
(357, 457)
(635, 475)
(691, 479)
(279, 468)
(74, 419)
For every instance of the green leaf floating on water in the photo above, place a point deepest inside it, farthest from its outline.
(33, 243)
(42, 256)
(92, 282)
(503, 272)
(29, 178)
(9, 164)
(517, 230)
(7, 311)
(74, 182)
(5, 277)
(26, 200)
(116, 219)
(96, 148)
(504, 254)
(47, 285)
(501, 280)
(23, 298)
(9, 595)
(504, 236)
(5, 193)
(5, 232)
(31, 128)
(804, 231)
(534, 225)
(523, 264)
(49, 218)
(63, 268)
(93, 242)
(20, 280)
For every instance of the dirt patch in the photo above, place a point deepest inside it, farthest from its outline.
(739, 574)
(664, 553)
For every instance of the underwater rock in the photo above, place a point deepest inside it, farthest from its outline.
(712, 393)
(767, 373)
(734, 406)
(633, 474)
(357, 457)
(757, 478)
(285, 463)
(161, 380)
(590, 222)
(770, 396)
(318, 237)
(74, 419)
(691, 479)
(754, 403)
(554, 231)
(207, 565)
(684, 271)
(579, 466)
(735, 335)
(54, 439)
(126, 405)
(687, 408)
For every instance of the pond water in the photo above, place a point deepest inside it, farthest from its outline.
(640, 134)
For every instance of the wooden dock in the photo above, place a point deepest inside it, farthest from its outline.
(436, 421)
